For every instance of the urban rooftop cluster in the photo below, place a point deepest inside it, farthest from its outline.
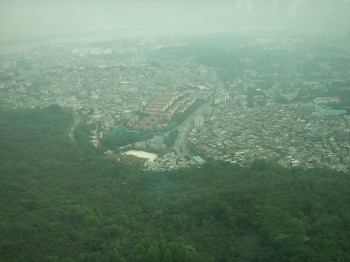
(284, 101)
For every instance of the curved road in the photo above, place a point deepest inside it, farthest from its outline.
(76, 121)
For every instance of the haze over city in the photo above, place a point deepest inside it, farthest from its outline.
(20, 18)
(175, 131)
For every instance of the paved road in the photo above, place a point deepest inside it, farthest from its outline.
(180, 146)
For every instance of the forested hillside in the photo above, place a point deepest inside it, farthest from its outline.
(60, 201)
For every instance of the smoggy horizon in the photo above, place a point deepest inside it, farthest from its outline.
(19, 18)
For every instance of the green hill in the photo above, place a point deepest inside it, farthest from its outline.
(60, 201)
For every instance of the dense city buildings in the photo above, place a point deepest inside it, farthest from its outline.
(254, 97)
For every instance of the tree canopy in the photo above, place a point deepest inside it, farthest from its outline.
(61, 201)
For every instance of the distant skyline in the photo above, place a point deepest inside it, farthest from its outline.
(49, 17)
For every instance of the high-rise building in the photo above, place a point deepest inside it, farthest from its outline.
(199, 121)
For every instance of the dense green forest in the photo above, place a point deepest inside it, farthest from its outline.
(61, 201)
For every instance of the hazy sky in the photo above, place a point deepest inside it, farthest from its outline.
(57, 16)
